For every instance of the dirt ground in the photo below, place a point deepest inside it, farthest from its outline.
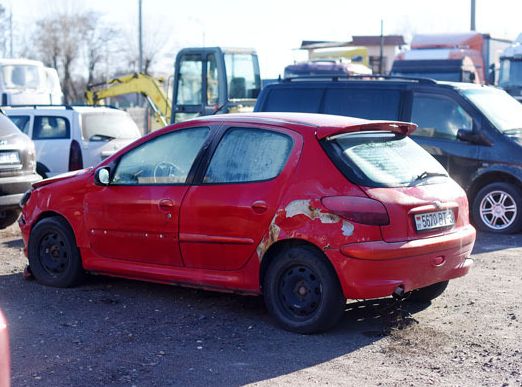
(119, 332)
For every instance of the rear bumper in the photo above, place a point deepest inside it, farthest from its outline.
(376, 269)
(13, 188)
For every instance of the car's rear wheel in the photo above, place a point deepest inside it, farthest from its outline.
(302, 291)
(53, 255)
(497, 208)
(8, 217)
(428, 293)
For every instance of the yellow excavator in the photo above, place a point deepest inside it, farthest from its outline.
(136, 83)
(207, 80)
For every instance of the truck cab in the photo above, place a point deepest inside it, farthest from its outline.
(24, 81)
(212, 80)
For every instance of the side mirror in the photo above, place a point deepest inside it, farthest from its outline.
(472, 137)
(102, 176)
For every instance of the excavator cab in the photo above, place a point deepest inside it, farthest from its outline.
(213, 80)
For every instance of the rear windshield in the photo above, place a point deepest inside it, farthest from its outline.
(383, 159)
(7, 127)
(105, 126)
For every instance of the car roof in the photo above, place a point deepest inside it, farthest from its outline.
(44, 108)
(322, 125)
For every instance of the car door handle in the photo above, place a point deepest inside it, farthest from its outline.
(259, 206)
(166, 205)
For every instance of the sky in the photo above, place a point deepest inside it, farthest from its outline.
(275, 28)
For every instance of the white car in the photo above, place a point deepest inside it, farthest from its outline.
(73, 137)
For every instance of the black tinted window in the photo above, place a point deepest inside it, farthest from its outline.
(362, 103)
(304, 100)
(51, 127)
(248, 155)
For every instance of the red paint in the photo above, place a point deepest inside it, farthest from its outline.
(215, 236)
(4, 353)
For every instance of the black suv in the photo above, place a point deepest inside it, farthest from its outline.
(474, 131)
(17, 169)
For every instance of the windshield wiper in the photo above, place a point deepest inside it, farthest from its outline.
(101, 137)
(426, 175)
(514, 130)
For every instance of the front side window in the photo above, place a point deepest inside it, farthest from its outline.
(438, 116)
(22, 77)
(22, 122)
(51, 128)
(247, 155)
(163, 160)
(383, 159)
(190, 80)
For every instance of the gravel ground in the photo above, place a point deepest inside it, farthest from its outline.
(120, 332)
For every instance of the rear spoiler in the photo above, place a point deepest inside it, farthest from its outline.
(405, 128)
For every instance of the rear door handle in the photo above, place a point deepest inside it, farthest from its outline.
(259, 206)
(166, 205)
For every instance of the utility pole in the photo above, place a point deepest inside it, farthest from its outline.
(140, 36)
(473, 10)
(10, 30)
(381, 55)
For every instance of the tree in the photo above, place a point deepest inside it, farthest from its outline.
(4, 31)
(74, 43)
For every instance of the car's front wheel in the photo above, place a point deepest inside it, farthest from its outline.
(497, 208)
(53, 255)
(302, 291)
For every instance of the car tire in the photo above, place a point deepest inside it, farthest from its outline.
(53, 255)
(8, 218)
(428, 293)
(497, 208)
(302, 291)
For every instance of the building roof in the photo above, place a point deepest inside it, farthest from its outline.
(357, 40)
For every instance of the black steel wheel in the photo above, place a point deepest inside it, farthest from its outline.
(302, 291)
(428, 293)
(53, 255)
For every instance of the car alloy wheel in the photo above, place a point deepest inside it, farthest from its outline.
(498, 210)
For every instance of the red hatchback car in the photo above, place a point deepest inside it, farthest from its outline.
(308, 210)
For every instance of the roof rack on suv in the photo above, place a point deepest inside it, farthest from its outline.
(66, 107)
(362, 77)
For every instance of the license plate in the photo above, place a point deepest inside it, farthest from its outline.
(433, 220)
(9, 158)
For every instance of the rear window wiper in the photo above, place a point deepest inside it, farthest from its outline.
(426, 174)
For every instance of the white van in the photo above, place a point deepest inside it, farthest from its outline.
(24, 81)
(73, 137)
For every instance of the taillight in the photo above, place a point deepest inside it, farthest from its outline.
(358, 209)
(75, 156)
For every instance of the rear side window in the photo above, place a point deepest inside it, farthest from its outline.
(51, 127)
(303, 100)
(246, 155)
(382, 159)
(22, 122)
(362, 103)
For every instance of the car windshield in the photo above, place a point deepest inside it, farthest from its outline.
(22, 77)
(108, 125)
(385, 159)
(504, 111)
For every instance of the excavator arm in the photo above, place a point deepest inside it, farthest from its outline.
(137, 83)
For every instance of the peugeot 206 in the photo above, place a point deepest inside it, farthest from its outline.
(308, 210)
